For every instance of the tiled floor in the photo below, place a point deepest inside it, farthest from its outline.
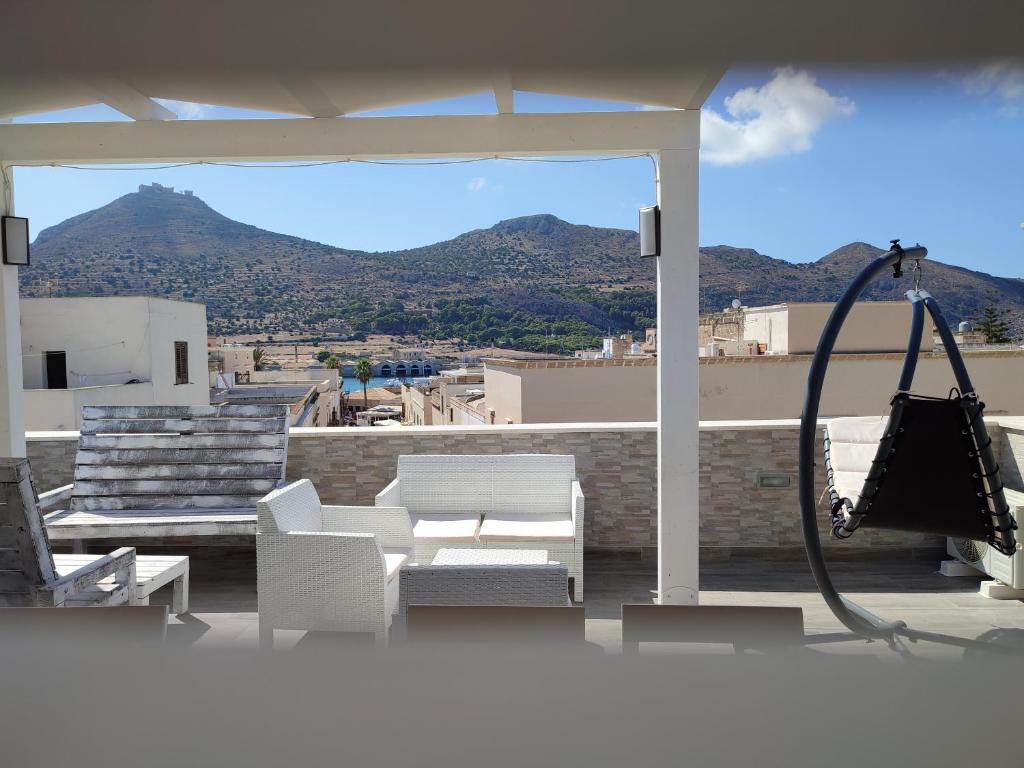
(224, 604)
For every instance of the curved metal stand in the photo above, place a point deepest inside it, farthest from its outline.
(853, 616)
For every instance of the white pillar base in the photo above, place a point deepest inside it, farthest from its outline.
(996, 590)
(957, 568)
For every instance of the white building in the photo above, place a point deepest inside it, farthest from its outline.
(109, 351)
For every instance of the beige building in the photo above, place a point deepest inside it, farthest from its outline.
(730, 388)
(570, 390)
(110, 350)
(794, 328)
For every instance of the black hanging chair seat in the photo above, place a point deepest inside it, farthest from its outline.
(920, 470)
(929, 467)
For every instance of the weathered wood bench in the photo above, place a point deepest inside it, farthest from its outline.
(146, 472)
(28, 575)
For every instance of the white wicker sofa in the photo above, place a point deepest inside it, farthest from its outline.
(517, 501)
(327, 568)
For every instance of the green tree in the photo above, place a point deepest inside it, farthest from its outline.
(323, 355)
(992, 321)
(331, 361)
(259, 358)
(364, 372)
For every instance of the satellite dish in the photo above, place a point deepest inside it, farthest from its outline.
(736, 304)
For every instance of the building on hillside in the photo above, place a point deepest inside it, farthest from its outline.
(354, 402)
(612, 348)
(380, 416)
(404, 368)
(110, 350)
(650, 343)
(560, 390)
(312, 402)
(227, 359)
(793, 328)
(732, 387)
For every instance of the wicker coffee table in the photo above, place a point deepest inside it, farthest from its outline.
(453, 556)
(485, 577)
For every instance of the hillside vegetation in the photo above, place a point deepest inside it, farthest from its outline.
(533, 283)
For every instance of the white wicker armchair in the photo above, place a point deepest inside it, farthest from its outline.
(327, 568)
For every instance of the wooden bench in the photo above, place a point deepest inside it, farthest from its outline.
(170, 471)
(28, 575)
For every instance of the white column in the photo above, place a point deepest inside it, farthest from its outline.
(678, 520)
(12, 407)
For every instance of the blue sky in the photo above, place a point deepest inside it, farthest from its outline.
(796, 163)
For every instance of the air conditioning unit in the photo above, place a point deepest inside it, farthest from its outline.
(1008, 569)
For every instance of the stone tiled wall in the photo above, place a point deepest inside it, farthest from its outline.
(616, 464)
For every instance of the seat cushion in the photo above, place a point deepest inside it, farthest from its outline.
(549, 527)
(393, 560)
(446, 528)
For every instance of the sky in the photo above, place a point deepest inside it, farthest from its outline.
(795, 163)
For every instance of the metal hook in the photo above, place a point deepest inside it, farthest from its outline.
(917, 275)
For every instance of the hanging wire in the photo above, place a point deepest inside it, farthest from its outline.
(340, 161)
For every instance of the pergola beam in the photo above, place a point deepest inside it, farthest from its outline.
(310, 96)
(371, 138)
(118, 95)
(504, 94)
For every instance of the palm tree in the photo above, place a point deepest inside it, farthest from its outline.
(364, 372)
(259, 357)
(332, 362)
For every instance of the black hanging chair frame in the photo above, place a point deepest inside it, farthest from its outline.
(980, 485)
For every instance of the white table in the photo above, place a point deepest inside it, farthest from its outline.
(460, 556)
(151, 573)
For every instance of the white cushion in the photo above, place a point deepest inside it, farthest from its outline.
(532, 484)
(445, 485)
(853, 443)
(513, 483)
(445, 528)
(393, 560)
(549, 527)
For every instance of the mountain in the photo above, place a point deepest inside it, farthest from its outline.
(516, 282)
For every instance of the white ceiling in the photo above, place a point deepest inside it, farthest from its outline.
(332, 57)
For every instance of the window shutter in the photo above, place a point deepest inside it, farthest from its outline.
(181, 362)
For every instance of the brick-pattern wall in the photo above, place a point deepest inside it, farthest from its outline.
(52, 462)
(616, 467)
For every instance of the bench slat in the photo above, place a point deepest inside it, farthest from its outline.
(187, 426)
(183, 456)
(114, 503)
(178, 411)
(226, 440)
(90, 488)
(176, 471)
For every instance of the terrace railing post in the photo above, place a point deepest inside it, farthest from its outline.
(678, 520)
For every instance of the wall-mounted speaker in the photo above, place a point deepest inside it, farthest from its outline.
(14, 240)
(650, 232)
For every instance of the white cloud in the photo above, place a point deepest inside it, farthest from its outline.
(1003, 79)
(476, 184)
(779, 118)
(186, 110)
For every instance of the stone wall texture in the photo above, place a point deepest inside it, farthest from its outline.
(616, 464)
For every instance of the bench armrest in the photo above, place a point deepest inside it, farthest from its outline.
(119, 563)
(391, 525)
(390, 496)
(52, 498)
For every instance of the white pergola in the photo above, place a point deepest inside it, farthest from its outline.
(317, 62)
